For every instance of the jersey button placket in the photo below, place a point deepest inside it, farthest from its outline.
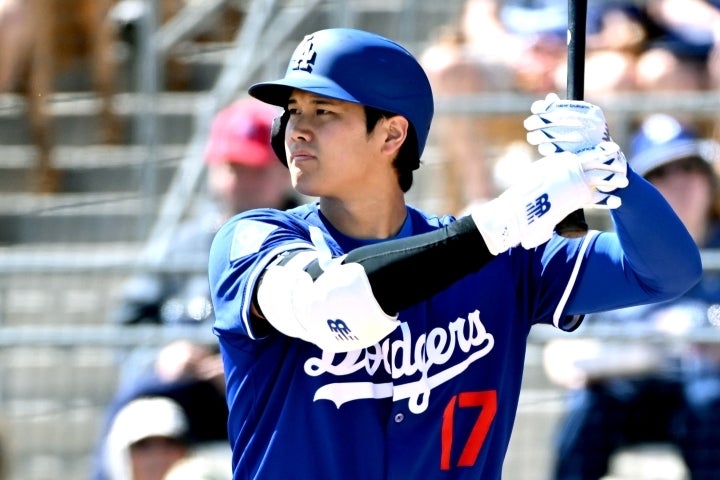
(399, 417)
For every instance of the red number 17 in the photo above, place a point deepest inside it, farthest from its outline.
(487, 402)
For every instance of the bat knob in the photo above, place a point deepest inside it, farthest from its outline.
(572, 226)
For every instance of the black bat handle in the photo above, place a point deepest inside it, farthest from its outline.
(577, 19)
(575, 225)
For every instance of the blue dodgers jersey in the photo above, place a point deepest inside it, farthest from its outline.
(434, 400)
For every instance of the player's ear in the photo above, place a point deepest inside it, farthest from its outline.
(396, 131)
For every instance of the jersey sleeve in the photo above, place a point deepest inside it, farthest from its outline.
(240, 251)
(651, 257)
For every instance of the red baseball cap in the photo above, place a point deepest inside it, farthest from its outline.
(240, 133)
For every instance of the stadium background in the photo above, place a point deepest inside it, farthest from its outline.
(65, 253)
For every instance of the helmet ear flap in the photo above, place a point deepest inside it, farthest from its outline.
(277, 136)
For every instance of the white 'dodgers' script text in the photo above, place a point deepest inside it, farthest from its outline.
(404, 358)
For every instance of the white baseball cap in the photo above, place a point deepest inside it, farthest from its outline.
(148, 417)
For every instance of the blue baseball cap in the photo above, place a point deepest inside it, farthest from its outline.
(360, 67)
(662, 139)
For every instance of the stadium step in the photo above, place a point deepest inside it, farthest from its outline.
(75, 117)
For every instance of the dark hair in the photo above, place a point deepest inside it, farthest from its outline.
(407, 158)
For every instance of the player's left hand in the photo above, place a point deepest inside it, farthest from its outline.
(605, 168)
(558, 125)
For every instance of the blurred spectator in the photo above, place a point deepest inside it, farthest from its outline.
(242, 173)
(473, 55)
(689, 25)
(714, 65)
(514, 46)
(681, 36)
(625, 393)
(49, 44)
(190, 375)
(616, 36)
(658, 34)
(662, 45)
(146, 438)
(16, 42)
(199, 468)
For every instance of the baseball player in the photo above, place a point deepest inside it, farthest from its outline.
(365, 339)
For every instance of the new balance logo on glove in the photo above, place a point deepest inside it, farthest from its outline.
(538, 208)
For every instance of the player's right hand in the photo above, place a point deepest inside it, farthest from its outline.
(558, 125)
(549, 190)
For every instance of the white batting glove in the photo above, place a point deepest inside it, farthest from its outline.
(605, 167)
(549, 190)
(558, 125)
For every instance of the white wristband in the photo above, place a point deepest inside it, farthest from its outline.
(497, 226)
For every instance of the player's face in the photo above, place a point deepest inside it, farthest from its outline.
(152, 457)
(330, 153)
(688, 189)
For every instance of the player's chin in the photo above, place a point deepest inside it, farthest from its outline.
(305, 184)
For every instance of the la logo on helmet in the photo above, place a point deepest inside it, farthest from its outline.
(305, 58)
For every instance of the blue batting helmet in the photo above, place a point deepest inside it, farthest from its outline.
(360, 67)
